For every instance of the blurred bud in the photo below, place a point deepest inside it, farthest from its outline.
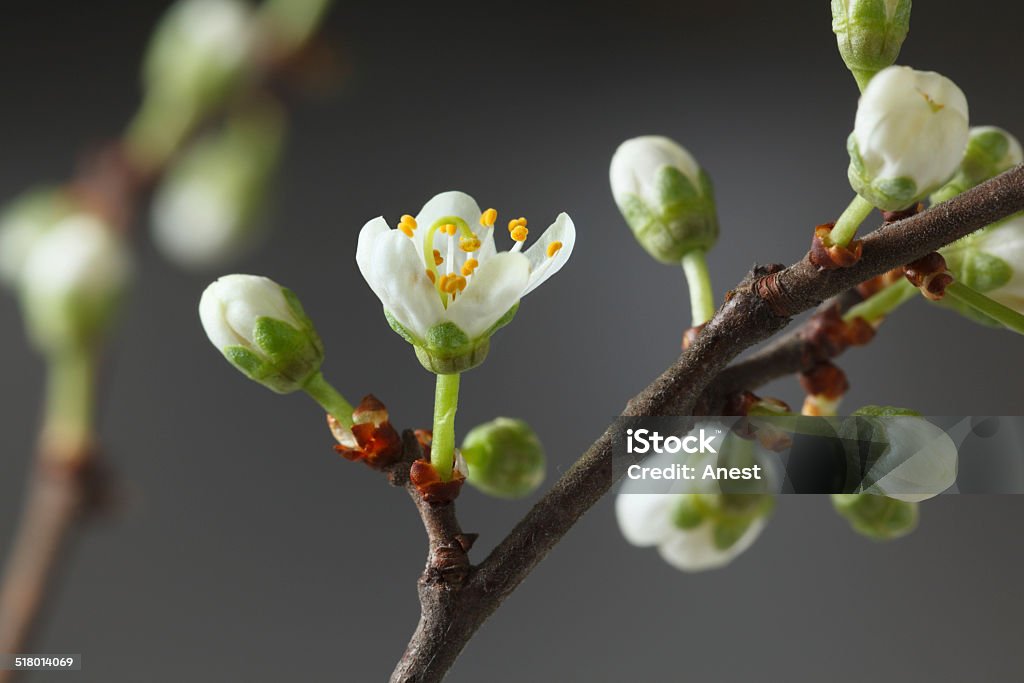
(199, 51)
(665, 197)
(73, 278)
(261, 329)
(505, 458)
(870, 34)
(23, 221)
(877, 517)
(908, 138)
(209, 207)
(910, 458)
(990, 261)
(990, 151)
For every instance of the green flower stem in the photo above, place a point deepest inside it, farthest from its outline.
(846, 227)
(69, 412)
(882, 303)
(446, 401)
(329, 399)
(863, 77)
(702, 297)
(1010, 318)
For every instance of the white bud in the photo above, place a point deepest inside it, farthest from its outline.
(990, 261)
(919, 461)
(24, 221)
(909, 136)
(261, 329)
(73, 278)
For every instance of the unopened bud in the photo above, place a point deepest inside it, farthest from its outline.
(505, 458)
(26, 219)
(990, 151)
(877, 517)
(870, 34)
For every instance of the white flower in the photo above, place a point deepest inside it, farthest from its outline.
(990, 261)
(27, 218)
(919, 461)
(665, 197)
(261, 329)
(445, 286)
(908, 138)
(71, 281)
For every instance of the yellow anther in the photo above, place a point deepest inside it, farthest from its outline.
(433, 278)
(407, 225)
(469, 266)
(449, 228)
(553, 248)
(437, 258)
(488, 218)
(469, 244)
(519, 233)
(516, 223)
(443, 284)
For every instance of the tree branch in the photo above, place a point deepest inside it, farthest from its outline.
(759, 307)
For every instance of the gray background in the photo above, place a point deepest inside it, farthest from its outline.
(249, 551)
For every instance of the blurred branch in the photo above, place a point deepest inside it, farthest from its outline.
(760, 306)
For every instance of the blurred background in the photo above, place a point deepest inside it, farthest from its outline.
(247, 550)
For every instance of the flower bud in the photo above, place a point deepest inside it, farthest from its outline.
(505, 458)
(26, 219)
(665, 197)
(870, 34)
(261, 329)
(908, 138)
(990, 261)
(198, 52)
(990, 151)
(72, 280)
(877, 517)
(208, 208)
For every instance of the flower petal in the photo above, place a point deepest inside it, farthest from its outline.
(396, 275)
(694, 551)
(367, 236)
(541, 266)
(496, 287)
(447, 204)
(645, 518)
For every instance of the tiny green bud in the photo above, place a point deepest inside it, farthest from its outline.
(665, 197)
(262, 330)
(870, 34)
(877, 517)
(208, 208)
(72, 281)
(990, 151)
(505, 458)
(27, 218)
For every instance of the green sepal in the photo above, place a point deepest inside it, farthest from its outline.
(401, 330)
(688, 512)
(685, 220)
(503, 320)
(251, 365)
(979, 270)
(888, 194)
(877, 517)
(728, 530)
(885, 411)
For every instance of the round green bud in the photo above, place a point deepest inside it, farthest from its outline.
(878, 517)
(990, 151)
(262, 330)
(665, 197)
(870, 34)
(505, 458)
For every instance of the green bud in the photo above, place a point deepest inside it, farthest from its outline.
(665, 197)
(505, 458)
(870, 34)
(24, 220)
(262, 330)
(990, 151)
(877, 517)
(990, 261)
(208, 208)
(72, 281)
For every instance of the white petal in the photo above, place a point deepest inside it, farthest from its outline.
(495, 288)
(542, 267)
(694, 550)
(645, 518)
(636, 163)
(396, 275)
(230, 306)
(1005, 240)
(919, 463)
(364, 247)
(447, 204)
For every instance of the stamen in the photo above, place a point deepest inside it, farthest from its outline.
(449, 228)
(407, 225)
(553, 249)
(519, 233)
(430, 274)
(470, 265)
(516, 223)
(488, 218)
(469, 244)
(437, 258)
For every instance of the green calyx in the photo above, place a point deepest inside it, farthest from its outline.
(876, 517)
(505, 458)
(888, 194)
(730, 515)
(869, 38)
(445, 349)
(282, 358)
(684, 219)
(979, 270)
(987, 155)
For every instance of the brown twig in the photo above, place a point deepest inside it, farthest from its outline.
(759, 307)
